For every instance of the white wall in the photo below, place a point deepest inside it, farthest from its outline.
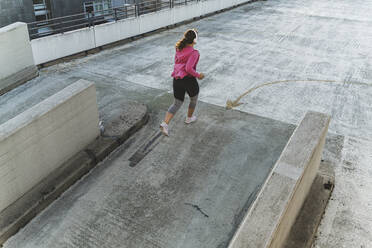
(189, 11)
(154, 20)
(61, 45)
(213, 5)
(57, 46)
(38, 141)
(115, 31)
(15, 52)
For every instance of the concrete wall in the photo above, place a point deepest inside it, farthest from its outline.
(57, 46)
(38, 141)
(16, 11)
(270, 218)
(16, 58)
(111, 32)
(62, 45)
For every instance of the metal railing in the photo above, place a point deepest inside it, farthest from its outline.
(72, 22)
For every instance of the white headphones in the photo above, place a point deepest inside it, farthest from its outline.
(196, 36)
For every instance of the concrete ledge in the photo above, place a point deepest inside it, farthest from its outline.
(39, 140)
(269, 220)
(17, 79)
(121, 120)
(29, 205)
(16, 58)
(131, 115)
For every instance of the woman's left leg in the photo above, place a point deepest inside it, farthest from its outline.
(179, 96)
(173, 110)
(192, 105)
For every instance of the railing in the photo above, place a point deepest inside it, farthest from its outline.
(68, 23)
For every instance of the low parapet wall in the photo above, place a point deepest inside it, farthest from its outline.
(17, 64)
(38, 141)
(272, 215)
(57, 46)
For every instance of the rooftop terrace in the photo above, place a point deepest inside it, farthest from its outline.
(242, 48)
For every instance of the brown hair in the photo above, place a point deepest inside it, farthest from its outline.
(188, 38)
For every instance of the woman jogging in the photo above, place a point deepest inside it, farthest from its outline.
(184, 78)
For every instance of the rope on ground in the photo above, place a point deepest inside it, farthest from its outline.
(232, 104)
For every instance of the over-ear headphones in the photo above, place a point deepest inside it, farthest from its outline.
(196, 36)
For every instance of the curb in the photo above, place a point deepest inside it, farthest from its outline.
(41, 196)
(311, 213)
(17, 79)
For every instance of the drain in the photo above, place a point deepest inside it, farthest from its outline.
(145, 149)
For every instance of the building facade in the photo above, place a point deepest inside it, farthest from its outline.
(16, 11)
(38, 10)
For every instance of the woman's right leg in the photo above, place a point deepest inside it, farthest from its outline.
(173, 110)
(169, 115)
(179, 95)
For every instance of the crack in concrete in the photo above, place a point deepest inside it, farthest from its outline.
(197, 208)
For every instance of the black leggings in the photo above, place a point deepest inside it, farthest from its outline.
(186, 84)
(180, 87)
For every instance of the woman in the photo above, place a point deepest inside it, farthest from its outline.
(184, 78)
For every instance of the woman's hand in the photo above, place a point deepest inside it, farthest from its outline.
(201, 76)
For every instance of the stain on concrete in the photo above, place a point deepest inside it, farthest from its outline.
(145, 149)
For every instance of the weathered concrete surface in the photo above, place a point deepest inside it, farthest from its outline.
(41, 195)
(256, 43)
(19, 213)
(190, 190)
(120, 115)
(269, 220)
(121, 119)
(39, 140)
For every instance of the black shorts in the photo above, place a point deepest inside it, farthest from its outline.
(186, 84)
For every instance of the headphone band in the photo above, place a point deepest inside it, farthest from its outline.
(196, 35)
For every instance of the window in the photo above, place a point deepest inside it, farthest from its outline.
(98, 7)
(41, 10)
(88, 7)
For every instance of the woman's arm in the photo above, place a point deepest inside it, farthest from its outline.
(191, 63)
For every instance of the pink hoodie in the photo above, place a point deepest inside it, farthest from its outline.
(185, 63)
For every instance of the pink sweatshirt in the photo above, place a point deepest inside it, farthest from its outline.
(185, 63)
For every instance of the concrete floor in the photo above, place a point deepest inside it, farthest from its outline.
(248, 46)
(189, 190)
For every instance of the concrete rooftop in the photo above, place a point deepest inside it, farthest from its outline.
(189, 190)
(242, 48)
